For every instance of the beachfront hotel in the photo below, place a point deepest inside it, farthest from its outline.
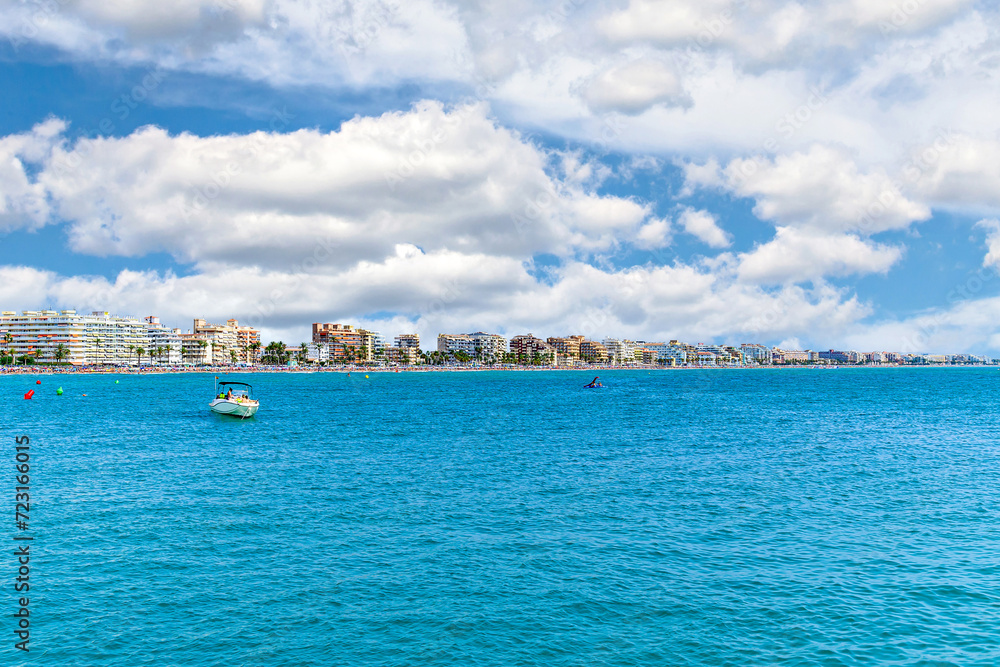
(756, 353)
(526, 346)
(667, 354)
(622, 352)
(164, 342)
(593, 351)
(227, 343)
(579, 347)
(65, 335)
(405, 350)
(343, 342)
(476, 345)
(407, 341)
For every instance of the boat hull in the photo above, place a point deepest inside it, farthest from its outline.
(224, 406)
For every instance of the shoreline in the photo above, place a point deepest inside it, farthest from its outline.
(226, 370)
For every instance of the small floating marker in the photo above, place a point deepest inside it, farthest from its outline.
(84, 394)
(116, 381)
(38, 381)
(28, 396)
(366, 377)
(59, 391)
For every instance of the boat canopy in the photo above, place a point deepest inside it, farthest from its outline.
(235, 385)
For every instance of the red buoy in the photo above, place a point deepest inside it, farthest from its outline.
(38, 381)
(29, 394)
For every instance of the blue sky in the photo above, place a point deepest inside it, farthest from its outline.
(795, 173)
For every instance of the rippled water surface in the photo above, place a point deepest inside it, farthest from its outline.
(796, 517)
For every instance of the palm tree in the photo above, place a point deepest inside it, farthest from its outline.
(97, 342)
(159, 352)
(139, 352)
(131, 349)
(7, 340)
(275, 352)
(203, 344)
(303, 353)
(233, 355)
(254, 348)
(319, 351)
(61, 352)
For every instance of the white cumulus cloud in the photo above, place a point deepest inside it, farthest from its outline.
(795, 256)
(704, 226)
(634, 87)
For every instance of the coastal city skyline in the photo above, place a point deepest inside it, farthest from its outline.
(100, 338)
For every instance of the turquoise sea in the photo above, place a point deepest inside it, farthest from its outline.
(768, 517)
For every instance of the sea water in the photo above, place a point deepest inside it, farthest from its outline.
(765, 517)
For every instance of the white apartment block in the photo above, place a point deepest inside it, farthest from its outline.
(455, 343)
(478, 344)
(666, 353)
(488, 345)
(620, 351)
(97, 338)
(164, 343)
(315, 352)
(407, 340)
(720, 354)
(754, 353)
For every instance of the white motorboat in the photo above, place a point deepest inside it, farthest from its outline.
(234, 398)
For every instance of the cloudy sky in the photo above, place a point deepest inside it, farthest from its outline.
(814, 174)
